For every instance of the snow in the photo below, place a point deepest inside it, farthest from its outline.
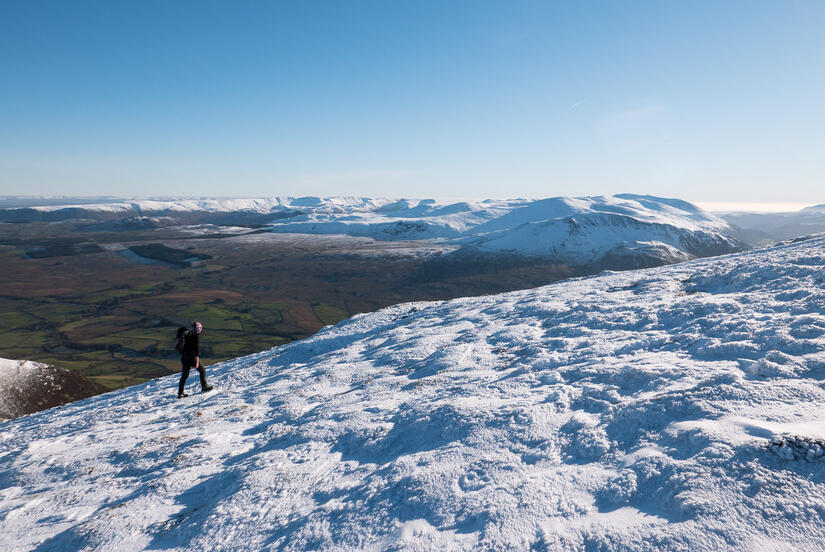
(676, 408)
(17, 377)
(27, 386)
(15, 374)
(577, 231)
(212, 205)
(436, 218)
(814, 210)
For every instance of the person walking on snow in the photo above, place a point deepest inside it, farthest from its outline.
(190, 358)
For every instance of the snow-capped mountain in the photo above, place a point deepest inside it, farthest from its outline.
(760, 229)
(27, 387)
(620, 231)
(617, 232)
(222, 205)
(675, 408)
(814, 209)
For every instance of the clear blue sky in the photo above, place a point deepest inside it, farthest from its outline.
(707, 101)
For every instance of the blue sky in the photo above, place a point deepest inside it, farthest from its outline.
(707, 101)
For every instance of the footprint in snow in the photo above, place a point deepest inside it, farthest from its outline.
(477, 477)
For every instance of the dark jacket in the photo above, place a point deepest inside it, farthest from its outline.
(191, 345)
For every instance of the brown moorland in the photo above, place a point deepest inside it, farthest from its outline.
(96, 306)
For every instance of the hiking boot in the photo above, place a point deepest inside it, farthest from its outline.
(208, 388)
(182, 395)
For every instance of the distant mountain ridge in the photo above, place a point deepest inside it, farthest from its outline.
(620, 231)
(759, 229)
(816, 209)
(623, 231)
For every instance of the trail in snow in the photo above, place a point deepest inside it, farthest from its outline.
(645, 410)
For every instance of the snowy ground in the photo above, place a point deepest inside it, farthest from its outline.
(678, 408)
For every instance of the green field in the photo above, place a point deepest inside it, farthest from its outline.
(328, 314)
(10, 320)
(131, 342)
(112, 319)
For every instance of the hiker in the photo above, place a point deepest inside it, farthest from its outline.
(189, 341)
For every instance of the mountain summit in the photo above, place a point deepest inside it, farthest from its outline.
(671, 408)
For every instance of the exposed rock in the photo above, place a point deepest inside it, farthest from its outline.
(27, 387)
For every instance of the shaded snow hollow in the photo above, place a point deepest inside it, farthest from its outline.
(627, 411)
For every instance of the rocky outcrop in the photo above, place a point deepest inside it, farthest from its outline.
(27, 387)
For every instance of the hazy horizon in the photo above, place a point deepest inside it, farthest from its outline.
(706, 101)
(712, 207)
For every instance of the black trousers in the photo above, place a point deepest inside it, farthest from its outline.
(188, 364)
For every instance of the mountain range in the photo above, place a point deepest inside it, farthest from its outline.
(614, 232)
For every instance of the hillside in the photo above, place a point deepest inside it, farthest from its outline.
(675, 408)
(621, 231)
(27, 387)
(617, 232)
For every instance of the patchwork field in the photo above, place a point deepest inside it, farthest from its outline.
(107, 304)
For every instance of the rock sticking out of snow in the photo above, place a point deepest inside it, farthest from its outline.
(794, 447)
(27, 387)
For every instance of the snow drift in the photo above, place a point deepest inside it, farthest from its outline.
(676, 408)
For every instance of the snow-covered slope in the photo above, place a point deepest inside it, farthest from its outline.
(677, 408)
(618, 231)
(223, 205)
(402, 219)
(555, 227)
(27, 387)
(814, 210)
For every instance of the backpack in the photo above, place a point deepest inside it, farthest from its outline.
(180, 339)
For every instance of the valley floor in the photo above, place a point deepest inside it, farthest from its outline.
(102, 311)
